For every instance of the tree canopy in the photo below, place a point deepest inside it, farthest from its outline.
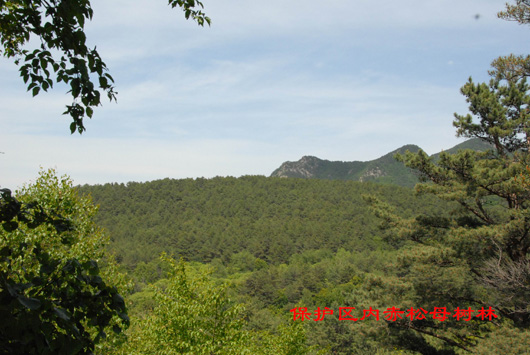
(63, 54)
(514, 66)
(53, 296)
(479, 254)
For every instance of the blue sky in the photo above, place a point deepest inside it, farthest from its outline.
(269, 81)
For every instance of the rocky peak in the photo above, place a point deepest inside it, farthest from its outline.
(303, 168)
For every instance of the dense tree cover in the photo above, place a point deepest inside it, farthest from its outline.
(247, 299)
(280, 243)
(321, 278)
(480, 255)
(264, 297)
(59, 26)
(53, 296)
(271, 218)
(191, 314)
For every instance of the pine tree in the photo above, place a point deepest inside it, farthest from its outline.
(476, 255)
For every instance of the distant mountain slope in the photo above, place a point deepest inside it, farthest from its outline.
(382, 170)
(473, 144)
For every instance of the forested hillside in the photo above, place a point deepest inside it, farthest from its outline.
(285, 249)
(271, 218)
(279, 243)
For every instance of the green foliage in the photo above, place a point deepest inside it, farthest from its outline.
(190, 10)
(279, 242)
(512, 66)
(59, 25)
(194, 315)
(270, 218)
(478, 254)
(520, 12)
(472, 144)
(53, 297)
(322, 279)
(506, 340)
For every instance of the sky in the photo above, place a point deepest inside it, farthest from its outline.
(268, 82)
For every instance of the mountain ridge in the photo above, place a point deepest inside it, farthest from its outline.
(384, 169)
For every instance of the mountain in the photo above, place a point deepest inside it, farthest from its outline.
(385, 169)
(473, 144)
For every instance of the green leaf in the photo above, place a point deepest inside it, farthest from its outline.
(118, 300)
(92, 267)
(30, 56)
(124, 317)
(76, 89)
(61, 313)
(10, 226)
(103, 83)
(28, 302)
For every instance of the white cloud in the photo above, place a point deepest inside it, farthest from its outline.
(269, 81)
